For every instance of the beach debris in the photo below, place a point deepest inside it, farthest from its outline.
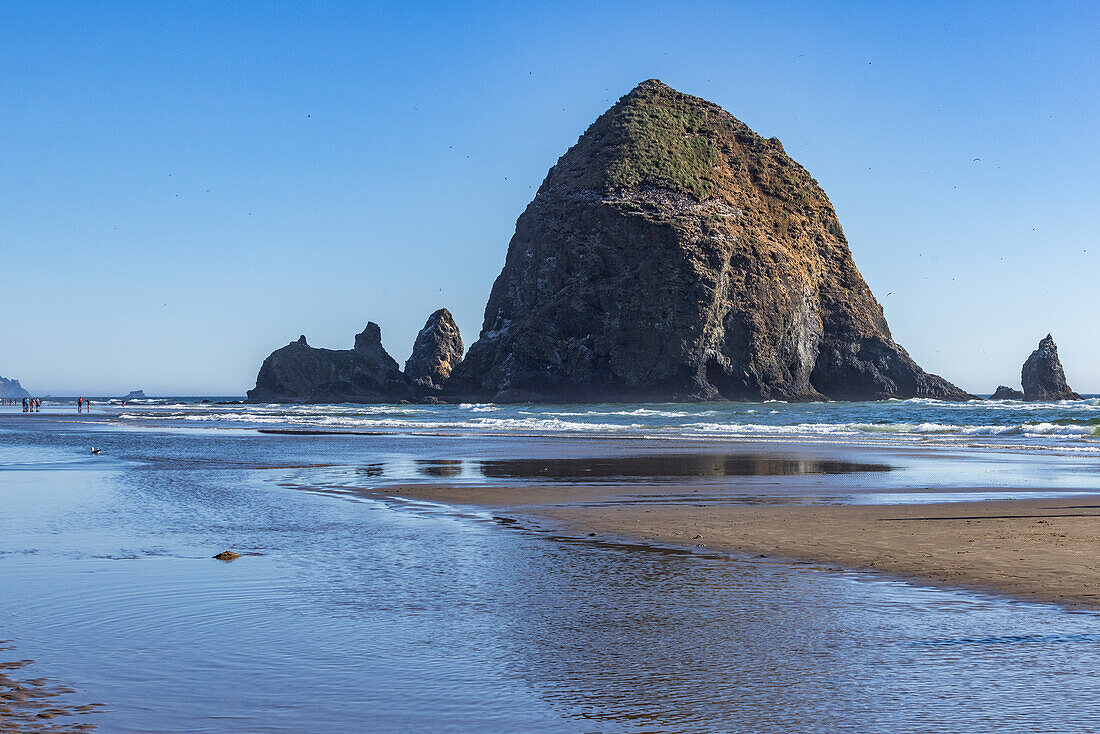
(227, 556)
(696, 537)
(95, 450)
(1042, 375)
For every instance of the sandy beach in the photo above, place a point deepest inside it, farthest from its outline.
(1038, 549)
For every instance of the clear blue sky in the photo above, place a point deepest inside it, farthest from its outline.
(186, 186)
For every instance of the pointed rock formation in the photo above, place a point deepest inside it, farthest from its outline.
(1042, 375)
(674, 254)
(299, 373)
(1004, 392)
(436, 352)
(12, 389)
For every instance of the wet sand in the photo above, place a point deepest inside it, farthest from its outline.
(37, 704)
(1038, 549)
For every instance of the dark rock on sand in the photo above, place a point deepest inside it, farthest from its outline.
(1042, 375)
(674, 254)
(12, 389)
(1005, 392)
(227, 556)
(436, 352)
(299, 373)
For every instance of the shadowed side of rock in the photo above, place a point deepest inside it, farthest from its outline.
(299, 373)
(1042, 375)
(436, 352)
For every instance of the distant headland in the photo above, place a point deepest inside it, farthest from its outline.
(12, 389)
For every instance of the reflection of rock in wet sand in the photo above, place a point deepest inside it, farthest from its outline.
(440, 467)
(669, 465)
(37, 704)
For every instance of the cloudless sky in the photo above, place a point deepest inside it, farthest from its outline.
(185, 187)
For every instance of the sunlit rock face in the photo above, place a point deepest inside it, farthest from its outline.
(436, 352)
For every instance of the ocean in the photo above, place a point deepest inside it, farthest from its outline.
(1066, 425)
(355, 610)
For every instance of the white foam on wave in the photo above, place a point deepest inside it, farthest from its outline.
(637, 412)
(918, 419)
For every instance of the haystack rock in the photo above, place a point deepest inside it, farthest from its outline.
(1004, 392)
(299, 373)
(436, 352)
(1042, 375)
(674, 254)
(12, 389)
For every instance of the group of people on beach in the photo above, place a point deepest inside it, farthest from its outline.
(32, 405)
(83, 403)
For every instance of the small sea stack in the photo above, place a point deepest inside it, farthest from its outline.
(436, 352)
(1004, 392)
(1042, 375)
(299, 373)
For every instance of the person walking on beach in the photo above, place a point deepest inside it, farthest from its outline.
(79, 404)
(24, 405)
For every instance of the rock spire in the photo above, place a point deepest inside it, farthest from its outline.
(1042, 375)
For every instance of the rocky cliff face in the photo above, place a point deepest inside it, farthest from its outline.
(674, 254)
(300, 373)
(1042, 375)
(12, 389)
(436, 352)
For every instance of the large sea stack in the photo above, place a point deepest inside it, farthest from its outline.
(1042, 375)
(674, 254)
(299, 373)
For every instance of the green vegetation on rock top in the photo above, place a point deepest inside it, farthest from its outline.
(665, 138)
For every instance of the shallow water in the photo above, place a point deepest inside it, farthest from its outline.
(361, 614)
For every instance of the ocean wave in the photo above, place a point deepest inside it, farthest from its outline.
(923, 420)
